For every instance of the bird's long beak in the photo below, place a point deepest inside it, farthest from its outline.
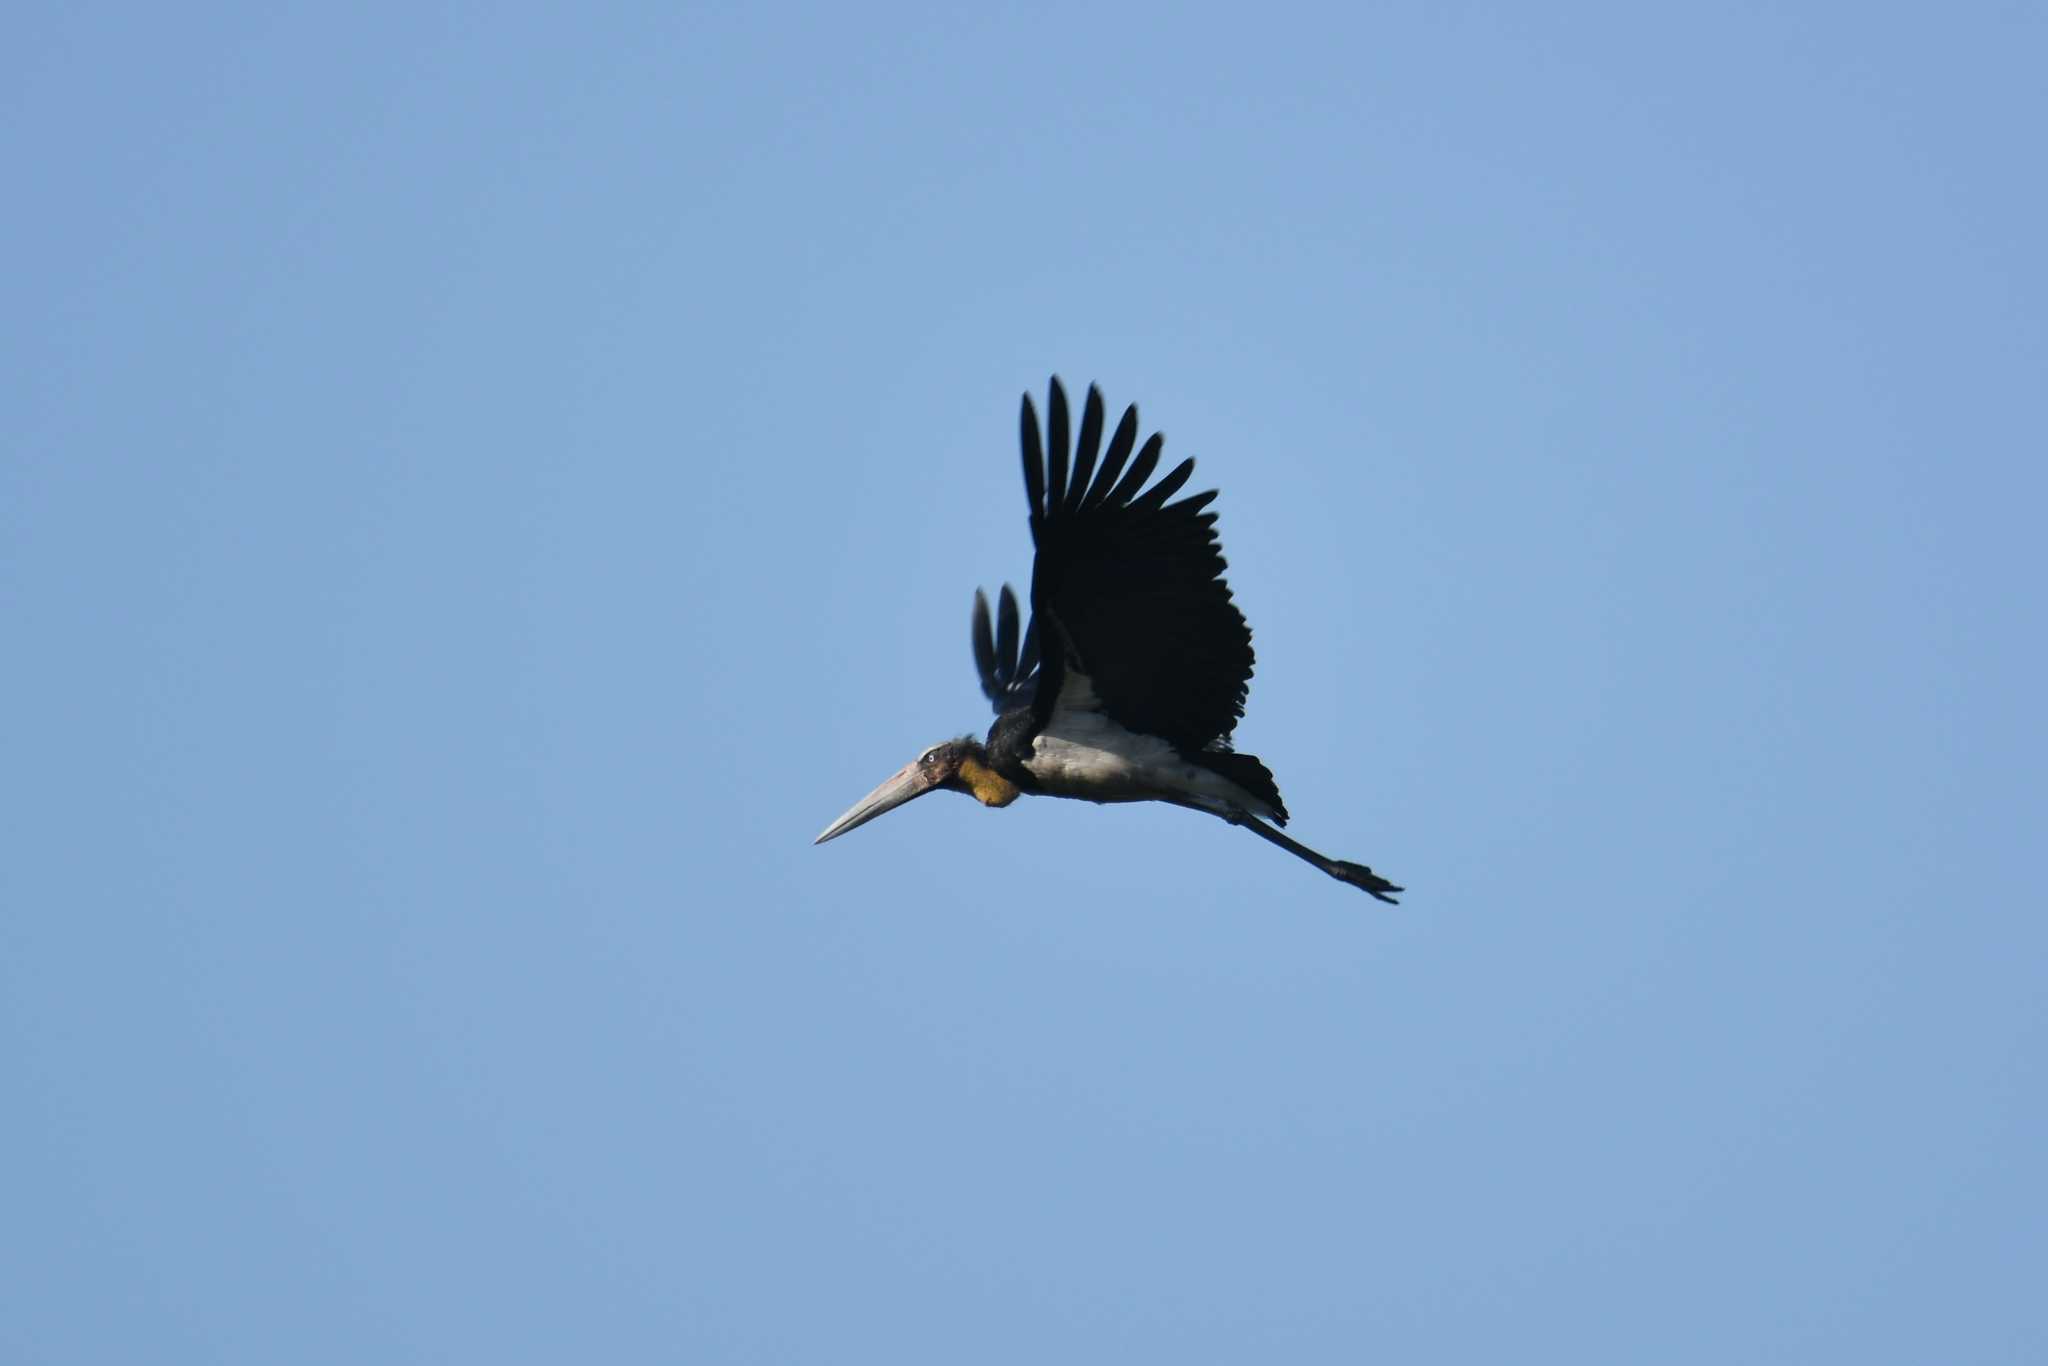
(909, 782)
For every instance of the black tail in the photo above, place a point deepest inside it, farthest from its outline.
(1248, 773)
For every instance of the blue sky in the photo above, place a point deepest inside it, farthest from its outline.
(483, 487)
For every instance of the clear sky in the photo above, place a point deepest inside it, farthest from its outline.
(482, 486)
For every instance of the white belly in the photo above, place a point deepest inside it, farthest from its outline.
(1085, 754)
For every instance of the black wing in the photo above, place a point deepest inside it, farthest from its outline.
(1009, 672)
(1127, 587)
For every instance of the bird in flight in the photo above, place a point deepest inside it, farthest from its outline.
(1132, 674)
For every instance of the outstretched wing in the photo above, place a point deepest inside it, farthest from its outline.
(1009, 671)
(1128, 588)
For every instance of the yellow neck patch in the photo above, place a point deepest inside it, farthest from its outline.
(989, 787)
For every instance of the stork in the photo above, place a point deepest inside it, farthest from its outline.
(1133, 671)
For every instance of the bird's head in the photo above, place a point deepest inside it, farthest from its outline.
(958, 765)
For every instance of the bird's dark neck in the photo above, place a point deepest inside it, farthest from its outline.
(1009, 745)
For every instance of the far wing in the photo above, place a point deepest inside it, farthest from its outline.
(1009, 670)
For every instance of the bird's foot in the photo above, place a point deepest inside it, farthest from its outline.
(1358, 875)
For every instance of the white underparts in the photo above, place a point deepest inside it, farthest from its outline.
(1083, 753)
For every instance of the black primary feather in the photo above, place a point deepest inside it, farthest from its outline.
(1085, 449)
(1056, 451)
(1119, 452)
(1034, 462)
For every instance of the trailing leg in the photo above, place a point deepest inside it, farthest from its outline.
(1357, 874)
